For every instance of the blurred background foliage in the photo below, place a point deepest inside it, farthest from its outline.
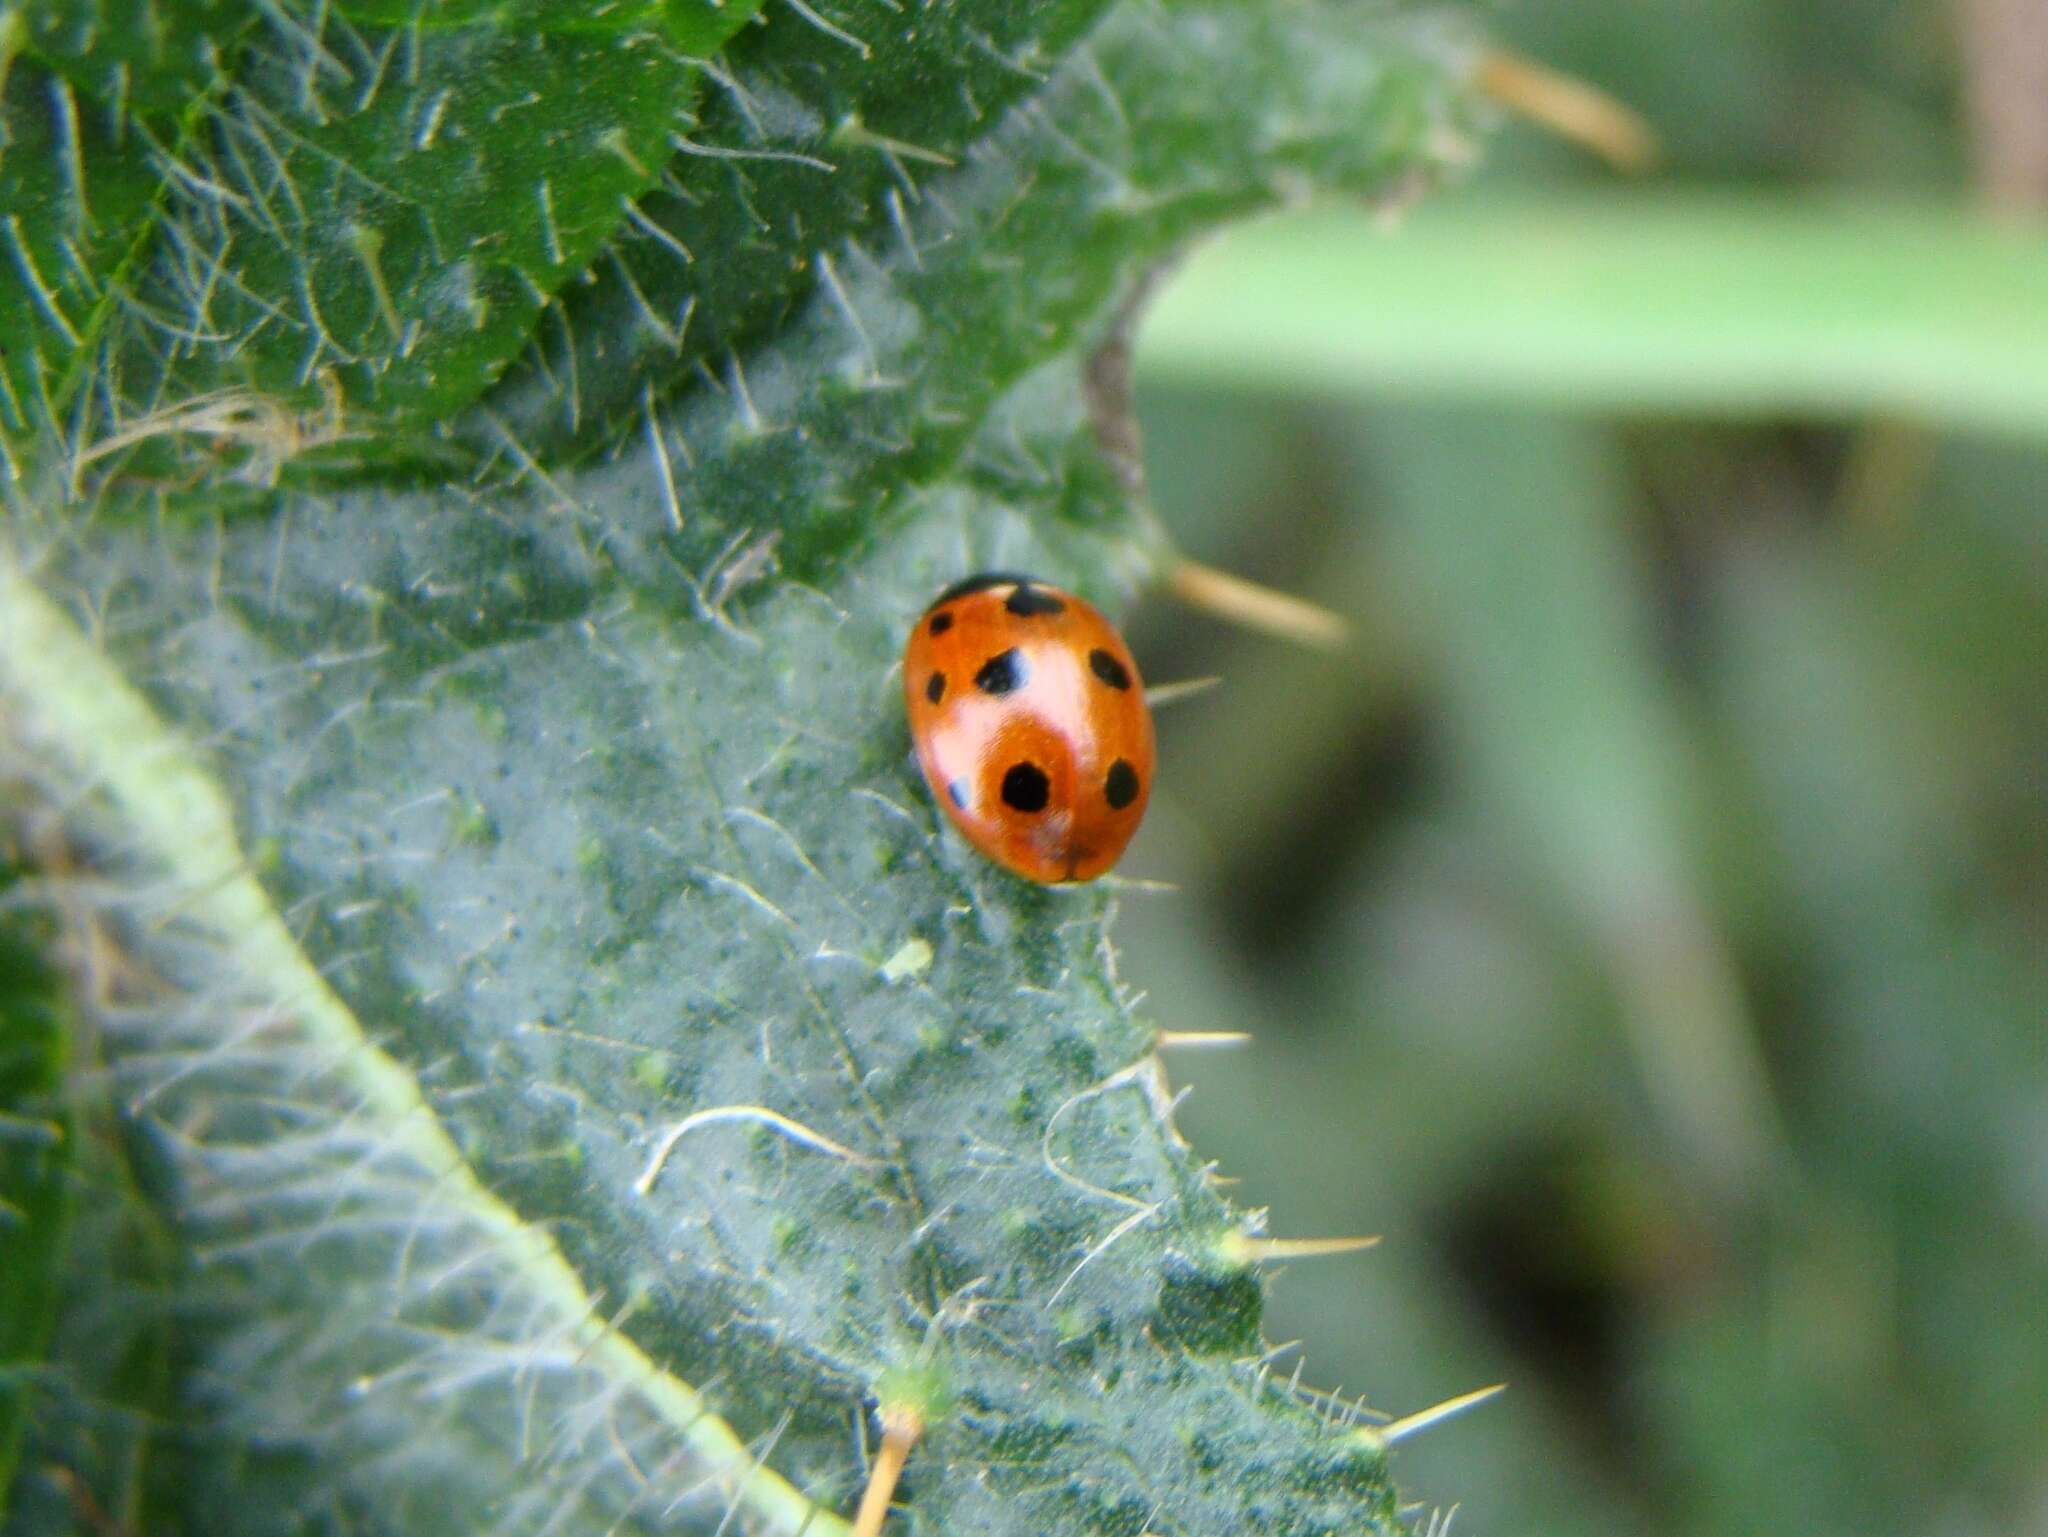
(1641, 922)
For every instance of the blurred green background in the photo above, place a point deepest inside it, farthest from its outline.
(1641, 923)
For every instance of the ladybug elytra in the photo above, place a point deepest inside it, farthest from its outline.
(1030, 724)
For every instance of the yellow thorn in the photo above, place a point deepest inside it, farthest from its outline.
(1161, 694)
(1240, 1250)
(1184, 1040)
(900, 1429)
(1412, 1424)
(1569, 108)
(1254, 606)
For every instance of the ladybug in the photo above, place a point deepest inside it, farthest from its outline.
(1030, 724)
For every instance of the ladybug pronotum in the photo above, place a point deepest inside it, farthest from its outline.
(1030, 724)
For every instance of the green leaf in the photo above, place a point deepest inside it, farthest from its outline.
(62, 243)
(1631, 302)
(35, 1160)
(132, 57)
(588, 1074)
(810, 154)
(361, 217)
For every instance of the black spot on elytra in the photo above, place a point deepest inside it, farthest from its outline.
(935, 687)
(941, 623)
(956, 792)
(1108, 669)
(1028, 601)
(1025, 787)
(1121, 787)
(1002, 673)
(979, 582)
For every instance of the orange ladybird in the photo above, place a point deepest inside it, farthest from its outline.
(1030, 724)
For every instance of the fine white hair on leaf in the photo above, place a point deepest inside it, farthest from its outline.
(758, 1115)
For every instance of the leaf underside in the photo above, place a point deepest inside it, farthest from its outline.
(548, 699)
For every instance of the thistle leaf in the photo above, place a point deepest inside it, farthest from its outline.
(575, 1070)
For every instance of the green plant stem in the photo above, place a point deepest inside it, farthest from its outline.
(1636, 302)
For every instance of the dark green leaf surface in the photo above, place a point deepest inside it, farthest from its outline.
(35, 1161)
(139, 60)
(64, 240)
(811, 153)
(1026, 247)
(526, 823)
(348, 218)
